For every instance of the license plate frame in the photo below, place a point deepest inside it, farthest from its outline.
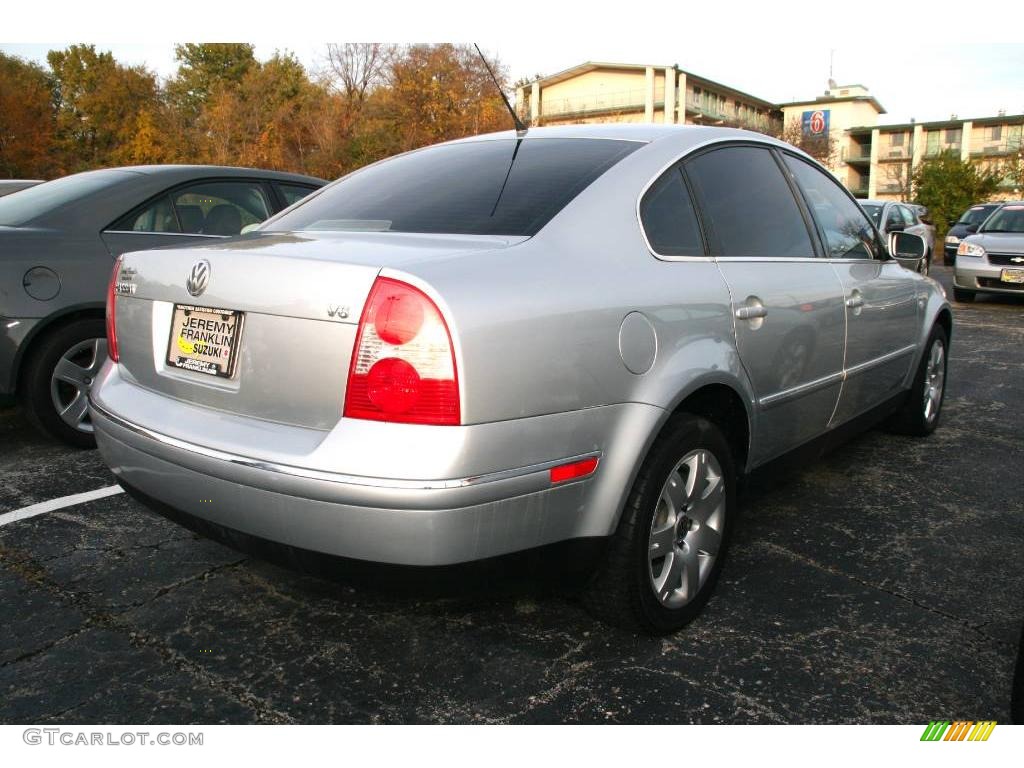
(1015, 276)
(210, 361)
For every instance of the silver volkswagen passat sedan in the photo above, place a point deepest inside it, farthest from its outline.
(577, 339)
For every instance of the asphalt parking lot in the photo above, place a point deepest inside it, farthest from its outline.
(882, 584)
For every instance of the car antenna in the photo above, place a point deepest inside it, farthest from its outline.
(520, 126)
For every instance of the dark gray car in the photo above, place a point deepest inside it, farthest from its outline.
(58, 242)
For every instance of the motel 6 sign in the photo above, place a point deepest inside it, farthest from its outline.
(815, 122)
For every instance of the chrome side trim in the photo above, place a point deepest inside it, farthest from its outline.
(869, 364)
(334, 477)
(799, 390)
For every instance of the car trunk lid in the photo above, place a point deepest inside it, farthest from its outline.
(283, 309)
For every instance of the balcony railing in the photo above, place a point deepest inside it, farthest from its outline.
(981, 146)
(858, 153)
(934, 150)
(894, 152)
(600, 101)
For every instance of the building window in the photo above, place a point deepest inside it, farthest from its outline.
(995, 132)
(897, 139)
(953, 135)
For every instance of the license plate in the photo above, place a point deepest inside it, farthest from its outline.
(204, 339)
(1012, 276)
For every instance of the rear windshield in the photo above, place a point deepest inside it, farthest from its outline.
(30, 204)
(875, 212)
(496, 187)
(977, 214)
(1009, 218)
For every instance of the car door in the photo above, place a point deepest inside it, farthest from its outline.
(880, 295)
(191, 213)
(787, 303)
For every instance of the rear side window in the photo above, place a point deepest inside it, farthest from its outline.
(220, 208)
(748, 205)
(668, 218)
(909, 217)
(497, 187)
(158, 216)
(848, 233)
(292, 193)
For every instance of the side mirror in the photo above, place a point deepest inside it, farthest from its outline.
(907, 249)
(896, 226)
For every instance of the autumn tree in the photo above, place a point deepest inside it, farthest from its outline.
(440, 92)
(26, 121)
(204, 68)
(823, 147)
(98, 104)
(947, 186)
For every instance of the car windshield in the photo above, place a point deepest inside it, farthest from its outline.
(1009, 218)
(874, 211)
(976, 215)
(492, 187)
(29, 204)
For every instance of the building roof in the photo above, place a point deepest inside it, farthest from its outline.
(818, 100)
(952, 123)
(591, 66)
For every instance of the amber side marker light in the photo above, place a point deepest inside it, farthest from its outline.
(573, 471)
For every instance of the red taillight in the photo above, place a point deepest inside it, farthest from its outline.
(576, 469)
(403, 364)
(112, 311)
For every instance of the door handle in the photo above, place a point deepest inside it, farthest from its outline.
(751, 313)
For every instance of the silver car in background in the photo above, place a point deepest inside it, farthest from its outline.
(992, 259)
(575, 340)
(890, 216)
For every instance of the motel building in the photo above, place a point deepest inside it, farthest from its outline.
(873, 161)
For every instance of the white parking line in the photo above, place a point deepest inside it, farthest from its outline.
(64, 501)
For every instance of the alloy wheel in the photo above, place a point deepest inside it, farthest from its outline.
(686, 531)
(72, 377)
(934, 380)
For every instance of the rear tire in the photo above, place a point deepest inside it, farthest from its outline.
(666, 555)
(55, 399)
(920, 414)
(962, 296)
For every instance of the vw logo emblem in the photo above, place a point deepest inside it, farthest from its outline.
(198, 278)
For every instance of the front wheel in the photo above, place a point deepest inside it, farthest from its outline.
(667, 552)
(919, 416)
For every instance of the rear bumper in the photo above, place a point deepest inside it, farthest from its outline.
(976, 274)
(454, 518)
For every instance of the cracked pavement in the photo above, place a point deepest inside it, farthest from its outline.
(882, 583)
